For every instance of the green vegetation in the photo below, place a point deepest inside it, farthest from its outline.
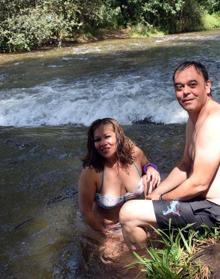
(177, 257)
(211, 21)
(30, 24)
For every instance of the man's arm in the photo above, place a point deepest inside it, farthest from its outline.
(177, 176)
(206, 162)
(179, 173)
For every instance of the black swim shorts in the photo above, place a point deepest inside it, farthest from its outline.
(182, 213)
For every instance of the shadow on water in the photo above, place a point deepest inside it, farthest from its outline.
(39, 170)
(111, 56)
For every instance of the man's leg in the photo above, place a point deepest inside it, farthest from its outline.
(135, 215)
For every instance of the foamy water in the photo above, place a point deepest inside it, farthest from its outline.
(127, 80)
(127, 98)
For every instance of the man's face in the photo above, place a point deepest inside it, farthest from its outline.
(191, 89)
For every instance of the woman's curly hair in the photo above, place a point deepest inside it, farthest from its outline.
(125, 147)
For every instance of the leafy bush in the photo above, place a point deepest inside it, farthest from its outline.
(186, 20)
(52, 20)
(211, 6)
(109, 17)
(27, 24)
(27, 31)
(12, 8)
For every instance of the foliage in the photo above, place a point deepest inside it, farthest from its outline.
(172, 16)
(27, 24)
(144, 30)
(26, 32)
(211, 21)
(12, 8)
(185, 21)
(211, 6)
(176, 259)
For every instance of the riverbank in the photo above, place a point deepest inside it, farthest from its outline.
(209, 22)
(103, 35)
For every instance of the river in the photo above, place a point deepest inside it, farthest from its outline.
(47, 100)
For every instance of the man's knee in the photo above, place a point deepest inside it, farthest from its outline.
(127, 212)
(138, 212)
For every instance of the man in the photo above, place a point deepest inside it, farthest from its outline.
(191, 192)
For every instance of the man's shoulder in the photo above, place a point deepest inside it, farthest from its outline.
(214, 106)
(211, 123)
(214, 113)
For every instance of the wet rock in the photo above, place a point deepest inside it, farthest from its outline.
(65, 194)
(210, 256)
(22, 224)
(18, 145)
(70, 263)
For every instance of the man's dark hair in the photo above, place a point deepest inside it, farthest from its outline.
(197, 65)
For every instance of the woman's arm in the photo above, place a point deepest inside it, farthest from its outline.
(152, 177)
(87, 191)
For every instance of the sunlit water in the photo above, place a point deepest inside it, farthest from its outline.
(129, 80)
(39, 164)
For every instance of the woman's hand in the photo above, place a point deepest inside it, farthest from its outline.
(151, 180)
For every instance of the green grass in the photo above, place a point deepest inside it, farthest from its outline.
(211, 21)
(176, 259)
(140, 31)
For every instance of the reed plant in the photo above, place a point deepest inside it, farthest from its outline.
(176, 257)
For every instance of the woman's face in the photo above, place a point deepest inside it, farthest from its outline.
(105, 141)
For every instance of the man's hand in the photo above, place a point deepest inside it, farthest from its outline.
(153, 196)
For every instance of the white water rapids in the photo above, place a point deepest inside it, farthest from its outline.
(130, 80)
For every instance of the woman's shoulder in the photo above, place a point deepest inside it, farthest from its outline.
(89, 171)
(138, 152)
(89, 176)
(139, 156)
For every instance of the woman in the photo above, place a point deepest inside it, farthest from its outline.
(111, 175)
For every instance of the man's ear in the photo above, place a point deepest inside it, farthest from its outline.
(209, 88)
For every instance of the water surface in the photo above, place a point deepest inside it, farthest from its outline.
(47, 99)
(128, 79)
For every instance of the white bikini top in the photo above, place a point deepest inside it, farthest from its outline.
(109, 201)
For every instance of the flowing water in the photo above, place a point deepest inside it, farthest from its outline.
(126, 79)
(47, 99)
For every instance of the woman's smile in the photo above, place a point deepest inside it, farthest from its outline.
(105, 140)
